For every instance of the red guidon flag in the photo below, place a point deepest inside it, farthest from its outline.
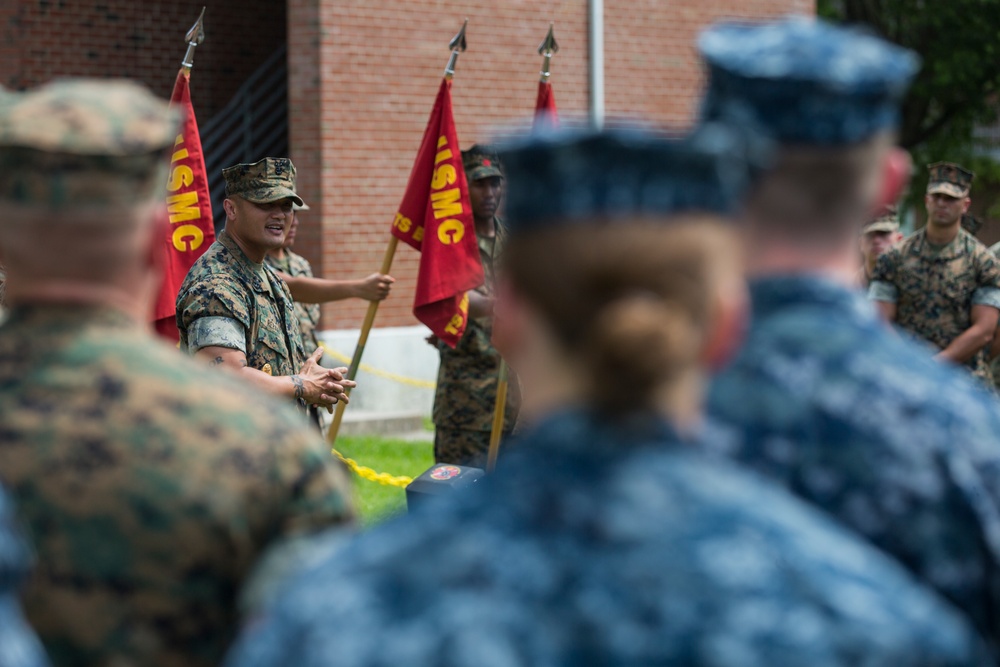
(436, 219)
(545, 105)
(189, 210)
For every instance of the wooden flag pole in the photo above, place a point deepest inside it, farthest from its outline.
(366, 327)
(546, 49)
(499, 410)
(457, 45)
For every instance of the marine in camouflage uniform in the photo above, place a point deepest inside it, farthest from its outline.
(994, 351)
(465, 397)
(934, 289)
(149, 484)
(610, 542)
(229, 300)
(296, 265)
(312, 291)
(234, 308)
(877, 237)
(823, 398)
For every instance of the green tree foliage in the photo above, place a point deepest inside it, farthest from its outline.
(959, 42)
(958, 87)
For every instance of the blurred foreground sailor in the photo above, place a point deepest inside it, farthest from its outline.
(605, 537)
(148, 484)
(823, 398)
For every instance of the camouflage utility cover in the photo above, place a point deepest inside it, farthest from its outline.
(934, 289)
(308, 313)
(105, 117)
(150, 485)
(826, 400)
(268, 180)
(224, 283)
(81, 142)
(597, 544)
(481, 162)
(886, 221)
(949, 178)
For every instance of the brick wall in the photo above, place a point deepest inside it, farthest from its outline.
(142, 39)
(358, 111)
(362, 77)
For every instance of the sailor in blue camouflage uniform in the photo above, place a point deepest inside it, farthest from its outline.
(19, 647)
(824, 398)
(605, 538)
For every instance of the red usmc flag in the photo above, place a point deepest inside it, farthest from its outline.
(436, 219)
(189, 209)
(545, 105)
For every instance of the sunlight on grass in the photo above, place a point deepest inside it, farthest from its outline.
(376, 502)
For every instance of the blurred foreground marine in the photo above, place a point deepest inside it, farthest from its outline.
(941, 284)
(877, 237)
(149, 484)
(234, 311)
(309, 291)
(823, 397)
(467, 377)
(605, 537)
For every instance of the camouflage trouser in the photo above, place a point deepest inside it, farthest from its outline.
(462, 447)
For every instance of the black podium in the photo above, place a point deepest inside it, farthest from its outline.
(440, 479)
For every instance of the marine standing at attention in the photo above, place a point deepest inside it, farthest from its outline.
(234, 311)
(941, 284)
(467, 377)
(824, 398)
(149, 484)
(605, 537)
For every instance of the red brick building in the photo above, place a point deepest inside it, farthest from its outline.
(361, 78)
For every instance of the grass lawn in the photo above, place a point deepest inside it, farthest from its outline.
(377, 502)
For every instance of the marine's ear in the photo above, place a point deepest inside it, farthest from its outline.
(725, 335)
(896, 170)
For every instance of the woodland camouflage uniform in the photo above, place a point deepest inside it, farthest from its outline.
(934, 288)
(149, 484)
(229, 301)
(468, 375)
(308, 313)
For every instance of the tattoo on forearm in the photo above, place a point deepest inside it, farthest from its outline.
(300, 387)
(217, 361)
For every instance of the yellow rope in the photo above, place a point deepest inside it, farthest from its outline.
(371, 475)
(402, 379)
